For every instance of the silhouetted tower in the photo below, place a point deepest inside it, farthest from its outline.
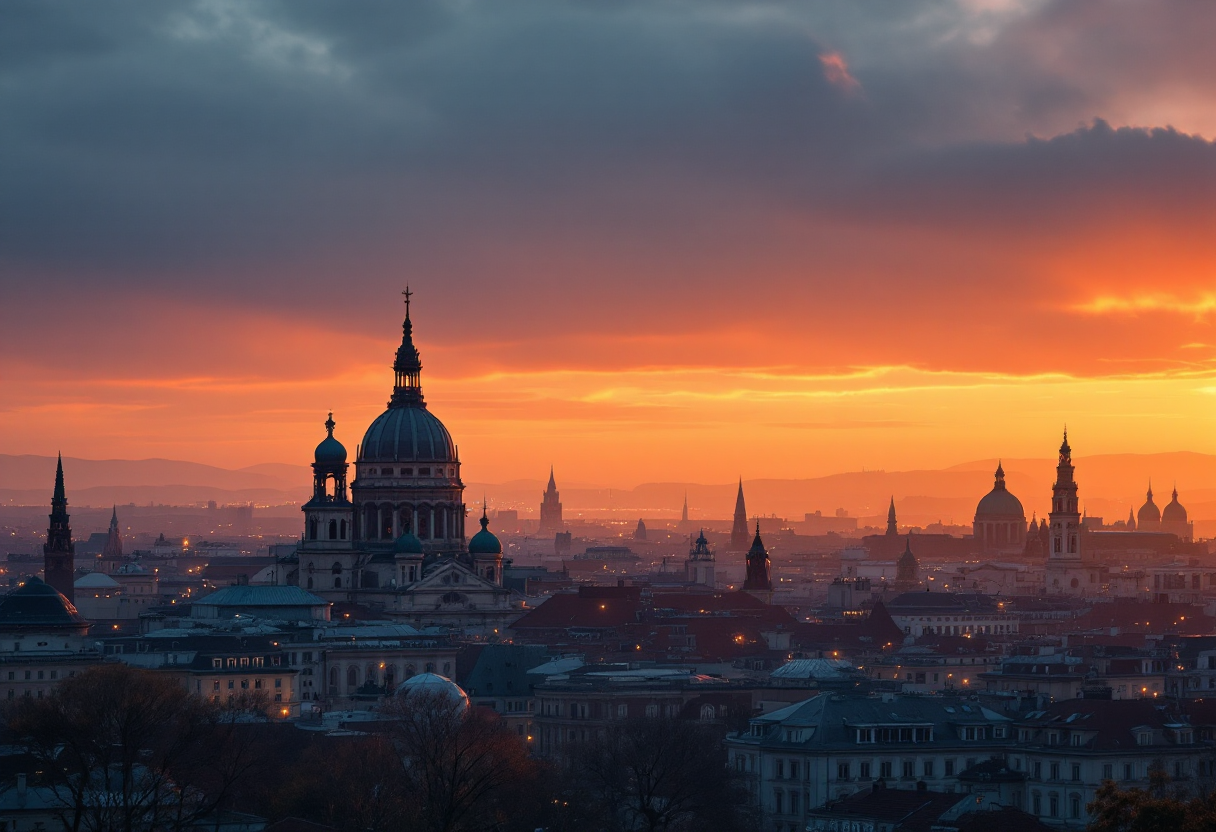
(113, 547)
(551, 507)
(685, 525)
(640, 532)
(738, 532)
(59, 553)
(699, 568)
(907, 570)
(757, 567)
(1131, 519)
(892, 527)
(1064, 520)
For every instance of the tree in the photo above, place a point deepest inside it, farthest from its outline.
(128, 750)
(463, 768)
(1156, 809)
(659, 774)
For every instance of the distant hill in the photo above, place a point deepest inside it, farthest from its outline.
(1110, 484)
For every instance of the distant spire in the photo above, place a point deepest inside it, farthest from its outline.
(892, 526)
(552, 481)
(1131, 518)
(1150, 489)
(738, 531)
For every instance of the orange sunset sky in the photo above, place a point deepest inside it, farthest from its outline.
(647, 241)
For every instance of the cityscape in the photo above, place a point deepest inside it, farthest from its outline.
(477, 418)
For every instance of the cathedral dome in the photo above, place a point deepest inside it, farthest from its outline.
(1148, 513)
(1000, 502)
(485, 542)
(330, 451)
(407, 434)
(1174, 512)
(432, 684)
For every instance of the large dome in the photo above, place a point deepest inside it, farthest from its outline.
(1000, 503)
(407, 434)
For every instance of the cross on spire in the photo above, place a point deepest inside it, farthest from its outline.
(407, 294)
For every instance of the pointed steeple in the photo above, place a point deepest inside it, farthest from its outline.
(113, 547)
(892, 526)
(59, 552)
(738, 531)
(407, 368)
(757, 579)
(1131, 519)
(684, 513)
(552, 482)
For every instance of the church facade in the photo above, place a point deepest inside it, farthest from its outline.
(393, 538)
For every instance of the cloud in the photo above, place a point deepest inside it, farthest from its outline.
(836, 70)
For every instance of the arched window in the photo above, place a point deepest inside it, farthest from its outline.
(333, 678)
(310, 581)
(409, 671)
(390, 675)
(490, 574)
(342, 533)
(386, 523)
(333, 529)
(337, 583)
(371, 673)
(312, 528)
(652, 711)
(336, 569)
(371, 522)
(352, 677)
(430, 667)
(707, 713)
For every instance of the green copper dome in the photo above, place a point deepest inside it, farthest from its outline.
(330, 451)
(408, 544)
(484, 542)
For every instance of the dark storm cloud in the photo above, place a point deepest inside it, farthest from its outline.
(154, 142)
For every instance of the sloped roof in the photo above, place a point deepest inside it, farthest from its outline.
(261, 596)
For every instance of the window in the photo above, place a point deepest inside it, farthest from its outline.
(884, 769)
(779, 769)
(793, 769)
(842, 771)
(217, 662)
(231, 684)
(1076, 771)
(1074, 806)
(1038, 770)
(864, 772)
(1144, 738)
(1179, 770)
(777, 802)
(622, 711)
(928, 768)
(1108, 771)
(1053, 804)
(1129, 771)
(215, 686)
(909, 768)
(793, 803)
(257, 684)
(1055, 772)
(949, 768)
(278, 683)
(1036, 803)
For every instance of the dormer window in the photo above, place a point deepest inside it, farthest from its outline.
(1144, 738)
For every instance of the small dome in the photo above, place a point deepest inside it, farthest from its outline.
(432, 684)
(96, 580)
(330, 451)
(1174, 512)
(36, 605)
(408, 544)
(1148, 513)
(484, 542)
(1000, 503)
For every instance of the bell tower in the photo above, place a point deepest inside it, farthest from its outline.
(329, 515)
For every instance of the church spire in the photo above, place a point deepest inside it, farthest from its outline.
(892, 526)
(757, 576)
(738, 531)
(407, 368)
(59, 552)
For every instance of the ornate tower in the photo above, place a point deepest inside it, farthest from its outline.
(738, 531)
(59, 553)
(1064, 519)
(699, 568)
(892, 526)
(551, 508)
(485, 551)
(407, 469)
(757, 567)
(328, 520)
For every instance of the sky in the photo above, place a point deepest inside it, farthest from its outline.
(647, 241)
